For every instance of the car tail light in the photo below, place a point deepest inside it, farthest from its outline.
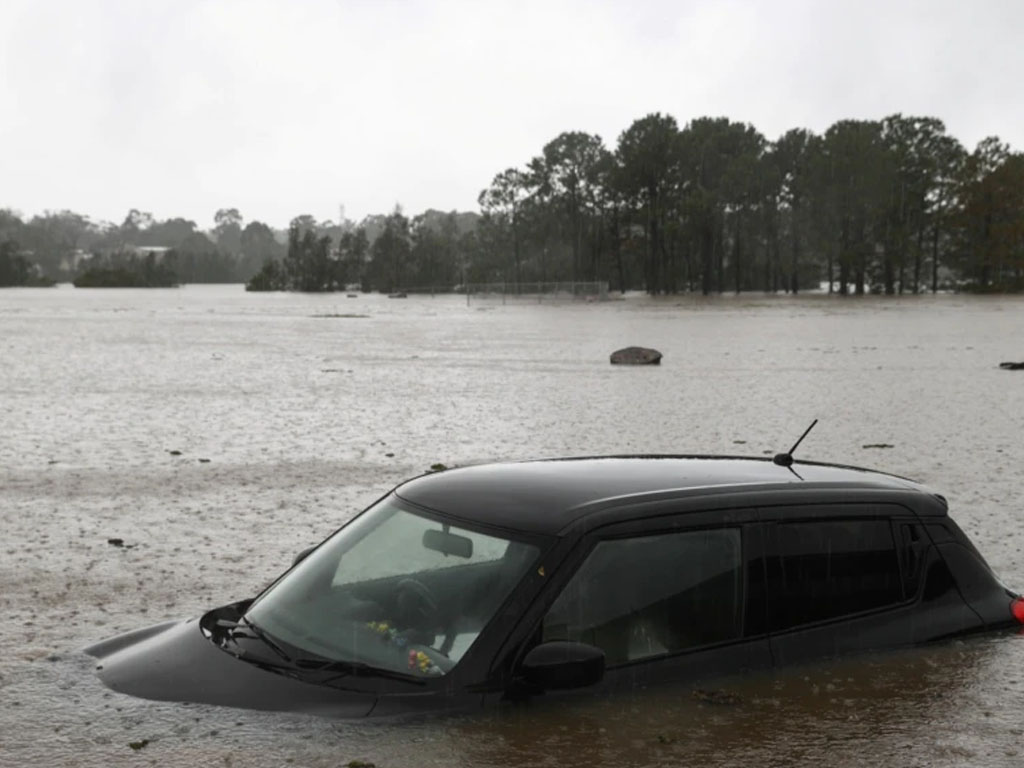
(1017, 609)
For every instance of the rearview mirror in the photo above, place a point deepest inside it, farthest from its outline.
(560, 664)
(448, 543)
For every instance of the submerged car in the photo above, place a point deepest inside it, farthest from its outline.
(507, 581)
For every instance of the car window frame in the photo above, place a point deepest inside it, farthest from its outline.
(823, 512)
(657, 521)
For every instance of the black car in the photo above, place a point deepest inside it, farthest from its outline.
(508, 581)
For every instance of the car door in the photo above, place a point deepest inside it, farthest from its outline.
(667, 598)
(842, 578)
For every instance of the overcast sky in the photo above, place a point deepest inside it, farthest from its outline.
(285, 107)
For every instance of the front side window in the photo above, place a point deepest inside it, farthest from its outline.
(654, 595)
(826, 570)
(394, 590)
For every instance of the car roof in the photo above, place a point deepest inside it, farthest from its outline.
(545, 496)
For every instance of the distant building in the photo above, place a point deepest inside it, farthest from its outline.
(157, 251)
(70, 262)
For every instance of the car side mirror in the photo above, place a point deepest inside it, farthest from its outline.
(560, 664)
(302, 555)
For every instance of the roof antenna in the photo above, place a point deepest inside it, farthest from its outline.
(786, 459)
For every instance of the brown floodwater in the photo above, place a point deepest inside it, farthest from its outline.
(291, 413)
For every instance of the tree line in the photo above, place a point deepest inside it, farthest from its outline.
(379, 253)
(386, 253)
(892, 206)
(65, 245)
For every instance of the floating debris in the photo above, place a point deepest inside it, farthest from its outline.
(340, 315)
(115, 542)
(1012, 366)
(204, 461)
(439, 467)
(175, 453)
(878, 445)
(718, 698)
(137, 745)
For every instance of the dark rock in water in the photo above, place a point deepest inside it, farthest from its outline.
(116, 542)
(636, 356)
(1012, 366)
(175, 453)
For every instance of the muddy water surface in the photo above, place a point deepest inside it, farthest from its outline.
(290, 414)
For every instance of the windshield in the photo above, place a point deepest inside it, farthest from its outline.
(394, 590)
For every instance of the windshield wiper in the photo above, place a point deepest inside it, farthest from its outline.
(341, 669)
(307, 667)
(235, 632)
(265, 638)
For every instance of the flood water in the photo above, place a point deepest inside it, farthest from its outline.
(290, 414)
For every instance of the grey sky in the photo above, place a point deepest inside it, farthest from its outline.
(281, 108)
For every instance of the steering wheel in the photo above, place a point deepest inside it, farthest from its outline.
(417, 605)
(419, 609)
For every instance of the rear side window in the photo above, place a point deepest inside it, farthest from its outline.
(653, 595)
(826, 570)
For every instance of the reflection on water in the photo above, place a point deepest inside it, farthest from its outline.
(286, 423)
(950, 700)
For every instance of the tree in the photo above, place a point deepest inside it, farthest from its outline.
(308, 261)
(305, 223)
(648, 154)
(54, 237)
(951, 160)
(915, 152)
(501, 204)
(11, 225)
(992, 216)
(258, 246)
(390, 253)
(228, 230)
(791, 158)
(719, 185)
(353, 249)
(136, 221)
(170, 233)
(14, 268)
(566, 175)
(197, 260)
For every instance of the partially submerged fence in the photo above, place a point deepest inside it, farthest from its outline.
(537, 292)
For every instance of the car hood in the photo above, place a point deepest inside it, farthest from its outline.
(176, 661)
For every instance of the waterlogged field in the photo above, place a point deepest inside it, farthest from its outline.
(217, 433)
